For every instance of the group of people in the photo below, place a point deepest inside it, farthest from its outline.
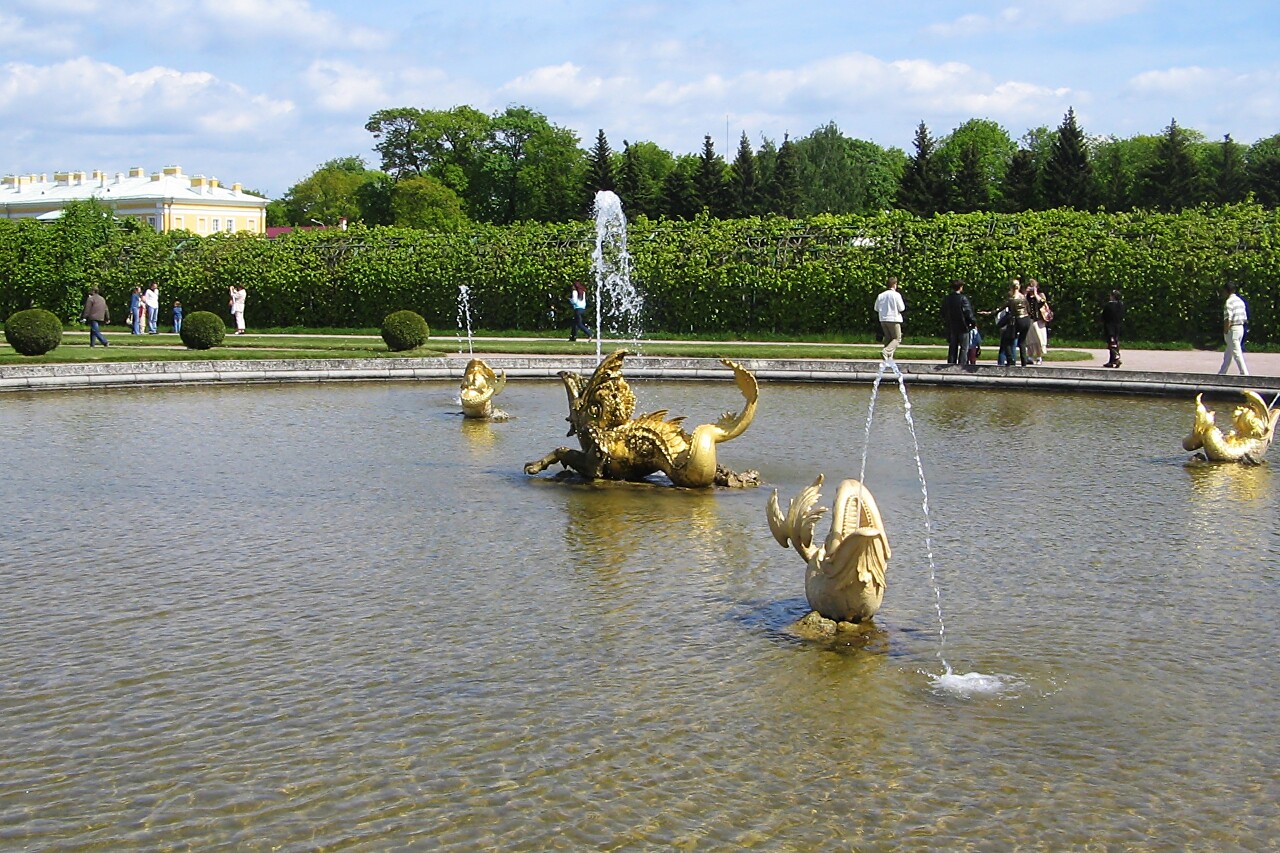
(1023, 321)
(144, 312)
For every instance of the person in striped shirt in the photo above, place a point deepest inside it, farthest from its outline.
(1235, 317)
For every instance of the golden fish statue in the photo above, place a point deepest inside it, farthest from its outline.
(479, 386)
(1253, 426)
(616, 446)
(845, 579)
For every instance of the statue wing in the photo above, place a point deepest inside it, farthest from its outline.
(796, 527)
(1264, 412)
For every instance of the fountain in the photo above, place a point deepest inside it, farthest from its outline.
(500, 661)
(617, 300)
(617, 447)
(1253, 428)
(846, 574)
(480, 384)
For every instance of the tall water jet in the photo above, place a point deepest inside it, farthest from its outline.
(464, 317)
(617, 299)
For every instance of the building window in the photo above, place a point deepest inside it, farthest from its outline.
(200, 225)
(231, 224)
(217, 224)
(151, 220)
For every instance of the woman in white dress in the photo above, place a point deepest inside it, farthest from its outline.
(1038, 336)
(237, 306)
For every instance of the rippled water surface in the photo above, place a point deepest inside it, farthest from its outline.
(341, 617)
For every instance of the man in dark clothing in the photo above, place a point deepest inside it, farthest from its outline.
(957, 313)
(95, 313)
(1112, 314)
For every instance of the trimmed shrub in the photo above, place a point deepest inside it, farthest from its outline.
(404, 330)
(33, 332)
(202, 330)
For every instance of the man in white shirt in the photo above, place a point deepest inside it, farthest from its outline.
(151, 298)
(1235, 316)
(889, 306)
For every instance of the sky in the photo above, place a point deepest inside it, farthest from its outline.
(261, 92)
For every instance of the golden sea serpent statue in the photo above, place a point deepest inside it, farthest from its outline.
(845, 579)
(479, 386)
(1253, 427)
(616, 446)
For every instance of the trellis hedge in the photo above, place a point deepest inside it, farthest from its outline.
(733, 278)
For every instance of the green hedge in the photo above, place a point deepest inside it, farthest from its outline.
(737, 277)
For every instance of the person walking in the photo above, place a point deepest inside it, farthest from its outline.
(889, 308)
(1112, 314)
(578, 302)
(957, 313)
(237, 306)
(1235, 318)
(94, 313)
(151, 298)
(177, 317)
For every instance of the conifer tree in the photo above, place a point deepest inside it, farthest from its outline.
(709, 180)
(679, 196)
(599, 171)
(744, 189)
(1018, 190)
(923, 189)
(635, 187)
(783, 192)
(1068, 179)
(971, 187)
(1171, 181)
(1230, 180)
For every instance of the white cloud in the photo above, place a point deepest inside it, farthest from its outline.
(342, 86)
(1044, 13)
(295, 20)
(17, 35)
(84, 95)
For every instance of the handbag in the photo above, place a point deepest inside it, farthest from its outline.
(1046, 313)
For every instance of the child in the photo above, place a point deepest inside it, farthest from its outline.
(177, 317)
(974, 348)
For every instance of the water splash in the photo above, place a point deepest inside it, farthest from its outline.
(970, 684)
(617, 299)
(464, 317)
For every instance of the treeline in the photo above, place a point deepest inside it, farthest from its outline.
(733, 277)
(444, 169)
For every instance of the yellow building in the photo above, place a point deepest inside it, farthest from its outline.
(166, 200)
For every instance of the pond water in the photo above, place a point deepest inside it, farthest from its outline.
(340, 617)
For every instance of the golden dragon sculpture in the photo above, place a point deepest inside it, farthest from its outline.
(845, 577)
(616, 446)
(479, 386)
(1253, 427)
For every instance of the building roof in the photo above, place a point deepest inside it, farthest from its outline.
(135, 186)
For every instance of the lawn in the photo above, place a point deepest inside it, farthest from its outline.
(366, 343)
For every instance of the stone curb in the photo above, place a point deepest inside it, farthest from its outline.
(1062, 379)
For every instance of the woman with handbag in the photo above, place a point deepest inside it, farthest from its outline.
(1041, 316)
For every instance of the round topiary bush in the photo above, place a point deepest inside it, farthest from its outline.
(404, 330)
(33, 332)
(202, 330)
